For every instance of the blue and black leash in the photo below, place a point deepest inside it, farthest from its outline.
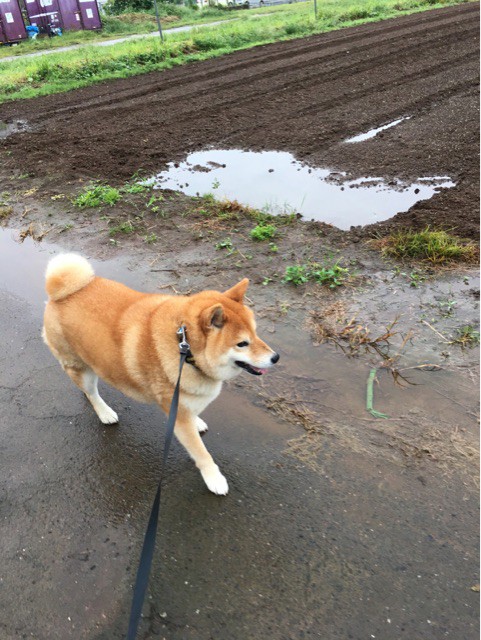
(145, 563)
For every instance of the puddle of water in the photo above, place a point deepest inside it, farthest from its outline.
(23, 265)
(7, 128)
(278, 183)
(372, 133)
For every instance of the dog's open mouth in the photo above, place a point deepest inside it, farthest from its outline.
(248, 367)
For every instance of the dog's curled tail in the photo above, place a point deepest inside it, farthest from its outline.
(66, 274)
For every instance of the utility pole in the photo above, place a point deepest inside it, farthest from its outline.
(159, 26)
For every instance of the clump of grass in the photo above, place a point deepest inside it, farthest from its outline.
(123, 227)
(263, 232)
(331, 275)
(97, 195)
(436, 247)
(219, 212)
(135, 187)
(151, 238)
(5, 211)
(466, 336)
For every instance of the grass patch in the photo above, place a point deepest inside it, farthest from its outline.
(466, 336)
(436, 247)
(224, 211)
(5, 211)
(97, 195)
(124, 227)
(68, 70)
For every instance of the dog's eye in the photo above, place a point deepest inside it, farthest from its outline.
(243, 344)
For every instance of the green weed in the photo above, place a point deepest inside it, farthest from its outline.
(225, 244)
(296, 274)
(263, 232)
(123, 227)
(331, 275)
(151, 238)
(97, 195)
(134, 187)
(466, 336)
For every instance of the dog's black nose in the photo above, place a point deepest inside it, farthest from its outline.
(275, 358)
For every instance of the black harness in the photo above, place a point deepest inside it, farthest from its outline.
(184, 344)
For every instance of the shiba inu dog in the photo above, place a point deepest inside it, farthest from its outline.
(100, 328)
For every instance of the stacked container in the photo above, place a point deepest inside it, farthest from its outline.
(12, 27)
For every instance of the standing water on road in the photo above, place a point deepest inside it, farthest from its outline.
(278, 183)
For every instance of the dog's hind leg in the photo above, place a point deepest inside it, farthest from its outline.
(187, 433)
(87, 380)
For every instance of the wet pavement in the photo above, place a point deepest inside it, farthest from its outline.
(337, 525)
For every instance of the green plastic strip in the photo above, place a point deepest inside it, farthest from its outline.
(370, 396)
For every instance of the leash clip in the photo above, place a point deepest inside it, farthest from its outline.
(184, 346)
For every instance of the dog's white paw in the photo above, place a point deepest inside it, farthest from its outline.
(201, 425)
(215, 481)
(107, 415)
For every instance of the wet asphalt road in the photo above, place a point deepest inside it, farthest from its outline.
(354, 547)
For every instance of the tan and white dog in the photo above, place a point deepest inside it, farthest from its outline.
(101, 328)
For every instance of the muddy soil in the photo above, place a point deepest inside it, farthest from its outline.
(304, 96)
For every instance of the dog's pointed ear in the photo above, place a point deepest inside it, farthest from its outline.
(213, 317)
(237, 292)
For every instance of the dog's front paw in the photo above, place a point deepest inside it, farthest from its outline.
(215, 481)
(201, 425)
(107, 415)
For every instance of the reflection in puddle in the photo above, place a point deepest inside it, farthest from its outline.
(373, 132)
(277, 183)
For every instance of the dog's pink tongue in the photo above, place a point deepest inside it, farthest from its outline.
(262, 371)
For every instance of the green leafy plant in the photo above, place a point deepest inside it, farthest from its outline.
(332, 275)
(225, 244)
(296, 274)
(97, 195)
(134, 187)
(263, 232)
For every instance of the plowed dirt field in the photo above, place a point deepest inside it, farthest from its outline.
(304, 96)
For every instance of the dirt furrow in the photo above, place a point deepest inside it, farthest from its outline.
(304, 96)
(216, 70)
